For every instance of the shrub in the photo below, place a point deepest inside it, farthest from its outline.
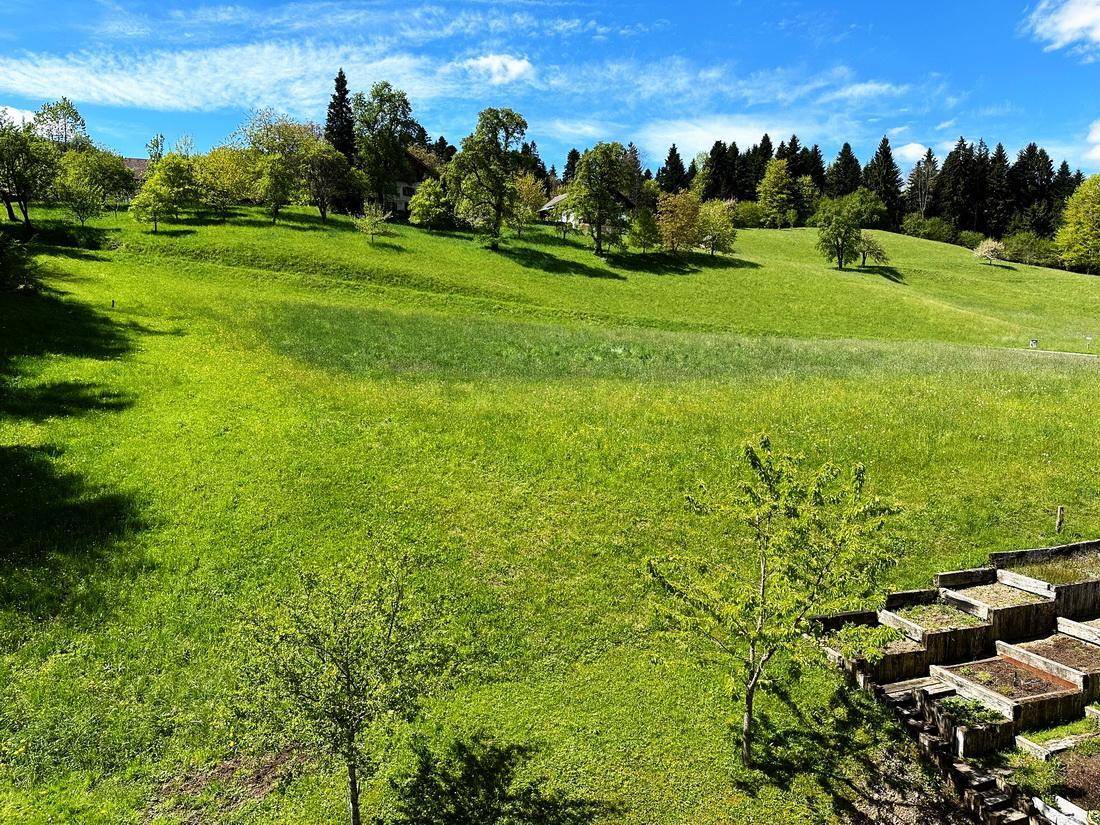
(930, 229)
(970, 712)
(1029, 248)
(747, 215)
(990, 250)
(716, 232)
(969, 239)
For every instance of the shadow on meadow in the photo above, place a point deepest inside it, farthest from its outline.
(477, 782)
(546, 262)
(664, 263)
(890, 273)
(852, 753)
(59, 528)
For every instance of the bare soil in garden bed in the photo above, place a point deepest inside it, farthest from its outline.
(938, 616)
(1011, 679)
(1079, 567)
(1000, 595)
(1067, 651)
(1082, 782)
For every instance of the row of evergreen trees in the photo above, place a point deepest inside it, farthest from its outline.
(974, 189)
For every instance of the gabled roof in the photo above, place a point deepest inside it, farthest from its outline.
(138, 166)
(554, 201)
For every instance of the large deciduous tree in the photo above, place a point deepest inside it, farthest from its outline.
(384, 129)
(597, 194)
(482, 175)
(61, 124)
(778, 195)
(678, 219)
(839, 222)
(225, 176)
(1078, 239)
(716, 231)
(801, 541)
(28, 164)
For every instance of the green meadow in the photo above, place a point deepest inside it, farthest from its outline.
(189, 419)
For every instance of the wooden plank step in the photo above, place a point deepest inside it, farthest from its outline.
(909, 685)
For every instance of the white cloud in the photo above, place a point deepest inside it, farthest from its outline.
(897, 130)
(859, 92)
(501, 68)
(699, 134)
(1093, 152)
(579, 129)
(259, 74)
(911, 152)
(17, 115)
(1062, 23)
(947, 124)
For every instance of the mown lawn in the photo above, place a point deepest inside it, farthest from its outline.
(262, 399)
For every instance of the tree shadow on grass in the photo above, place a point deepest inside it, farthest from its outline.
(890, 273)
(664, 263)
(58, 530)
(476, 782)
(851, 751)
(545, 262)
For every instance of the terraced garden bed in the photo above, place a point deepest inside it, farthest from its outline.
(1072, 569)
(1067, 650)
(938, 616)
(1000, 595)
(1011, 679)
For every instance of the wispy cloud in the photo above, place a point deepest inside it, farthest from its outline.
(291, 76)
(1067, 23)
(864, 91)
(580, 129)
(947, 124)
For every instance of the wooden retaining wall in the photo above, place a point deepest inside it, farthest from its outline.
(1022, 621)
(1016, 557)
(944, 647)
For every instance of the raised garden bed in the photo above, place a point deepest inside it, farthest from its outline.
(1031, 697)
(1081, 783)
(1069, 569)
(938, 616)
(1066, 650)
(1070, 573)
(875, 652)
(972, 727)
(999, 595)
(1013, 613)
(1010, 679)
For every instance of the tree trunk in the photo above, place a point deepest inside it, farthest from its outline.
(747, 724)
(26, 212)
(353, 794)
(11, 212)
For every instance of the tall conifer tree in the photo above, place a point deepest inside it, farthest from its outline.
(845, 175)
(340, 122)
(672, 176)
(882, 176)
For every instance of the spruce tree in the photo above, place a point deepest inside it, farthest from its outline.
(717, 184)
(570, 165)
(998, 195)
(794, 158)
(1031, 181)
(954, 190)
(340, 122)
(813, 164)
(883, 178)
(672, 177)
(845, 175)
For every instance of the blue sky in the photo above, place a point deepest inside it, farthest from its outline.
(651, 72)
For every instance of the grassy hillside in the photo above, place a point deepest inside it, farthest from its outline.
(188, 419)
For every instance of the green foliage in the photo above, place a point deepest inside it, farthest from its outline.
(596, 193)
(17, 265)
(777, 196)
(810, 538)
(155, 203)
(482, 174)
(1032, 249)
(747, 215)
(867, 642)
(969, 239)
(340, 664)
(644, 233)
(61, 123)
(77, 187)
(384, 129)
(225, 177)
(970, 712)
(839, 222)
(1078, 240)
(869, 247)
(328, 178)
(715, 227)
(429, 207)
(929, 229)
(678, 219)
(373, 221)
(530, 197)
(28, 164)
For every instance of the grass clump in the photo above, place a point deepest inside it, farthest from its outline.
(1075, 728)
(970, 712)
(1064, 570)
(938, 616)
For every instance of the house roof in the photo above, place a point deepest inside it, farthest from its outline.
(137, 166)
(554, 201)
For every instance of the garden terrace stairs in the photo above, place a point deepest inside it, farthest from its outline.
(1018, 638)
